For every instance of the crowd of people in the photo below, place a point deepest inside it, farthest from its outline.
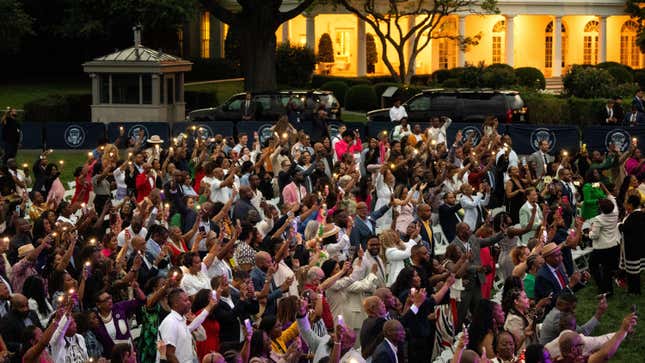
(317, 248)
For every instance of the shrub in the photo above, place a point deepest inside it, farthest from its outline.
(421, 79)
(530, 77)
(584, 111)
(371, 56)
(588, 82)
(440, 75)
(621, 74)
(60, 108)
(196, 99)
(325, 49)
(450, 83)
(625, 90)
(498, 76)
(318, 80)
(607, 65)
(375, 79)
(338, 87)
(545, 108)
(469, 76)
(294, 64)
(360, 98)
(639, 77)
(213, 68)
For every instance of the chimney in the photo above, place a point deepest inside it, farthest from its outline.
(137, 38)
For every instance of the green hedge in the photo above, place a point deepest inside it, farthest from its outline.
(214, 68)
(294, 64)
(530, 77)
(59, 108)
(197, 99)
(441, 75)
(588, 82)
(360, 97)
(338, 87)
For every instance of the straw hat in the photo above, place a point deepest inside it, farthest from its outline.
(329, 230)
(25, 250)
(550, 248)
(155, 139)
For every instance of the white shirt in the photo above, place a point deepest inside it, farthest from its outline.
(120, 238)
(397, 113)
(399, 133)
(438, 134)
(174, 331)
(119, 177)
(71, 220)
(220, 268)
(193, 283)
(67, 349)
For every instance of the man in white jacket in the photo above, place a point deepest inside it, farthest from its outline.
(605, 238)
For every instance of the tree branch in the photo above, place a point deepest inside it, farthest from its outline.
(284, 16)
(220, 12)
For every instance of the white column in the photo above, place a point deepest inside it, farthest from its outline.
(285, 32)
(461, 55)
(156, 89)
(510, 35)
(602, 40)
(556, 70)
(311, 31)
(361, 52)
(96, 89)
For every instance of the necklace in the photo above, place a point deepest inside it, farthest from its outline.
(106, 319)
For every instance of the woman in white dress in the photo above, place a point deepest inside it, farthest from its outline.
(384, 189)
(396, 252)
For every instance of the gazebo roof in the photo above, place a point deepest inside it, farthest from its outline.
(138, 54)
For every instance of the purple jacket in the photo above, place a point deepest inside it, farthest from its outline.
(121, 312)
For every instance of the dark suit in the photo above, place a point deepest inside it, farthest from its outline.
(230, 318)
(638, 103)
(420, 331)
(249, 110)
(361, 230)
(12, 327)
(384, 354)
(371, 333)
(449, 220)
(607, 113)
(427, 238)
(546, 283)
(639, 119)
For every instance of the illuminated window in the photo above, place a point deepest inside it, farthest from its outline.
(590, 43)
(548, 45)
(206, 35)
(629, 51)
(448, 45)
(343, 43)
(180, 41)
(499, 32)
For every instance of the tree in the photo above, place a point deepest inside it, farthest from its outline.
(636, 9)
(15, 25)
(325, 49)
(256, 21)
(385, 18)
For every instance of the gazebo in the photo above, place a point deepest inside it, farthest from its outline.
(138, 84)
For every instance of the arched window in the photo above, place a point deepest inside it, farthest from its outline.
(629, 51)
(548, 45)
(499, 33)
(448, 46)
(590, 43)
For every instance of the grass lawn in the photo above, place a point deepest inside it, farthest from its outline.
(72, 158)
(16, 94)
(224, 89)
(633, 348)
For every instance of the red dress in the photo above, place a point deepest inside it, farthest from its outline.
(211, 344)
(175, 252)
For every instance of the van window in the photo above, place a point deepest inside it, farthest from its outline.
(235, 105)
(420, 103)
(483, 103)
(329, 100)
(264, 101)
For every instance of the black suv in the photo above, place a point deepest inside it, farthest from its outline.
(271, 105)
(460, 105)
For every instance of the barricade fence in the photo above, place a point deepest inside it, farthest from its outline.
(526, 137)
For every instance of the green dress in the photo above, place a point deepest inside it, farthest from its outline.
(590, 204)
(529, 286)
(151, 319)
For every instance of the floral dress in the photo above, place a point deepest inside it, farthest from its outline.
(151, 319)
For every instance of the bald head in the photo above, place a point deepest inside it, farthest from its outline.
(373, 306)
(262, 260)
(213, 358)
(19, 304)
(463, 231)
(568, 342)
(470, 356)
(424, 211)
(246, 192)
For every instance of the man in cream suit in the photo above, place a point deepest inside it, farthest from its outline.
(525, 215)
(542, 158)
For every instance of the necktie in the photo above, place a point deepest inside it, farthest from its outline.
(380, 267)
(558, 273)
(545, 161)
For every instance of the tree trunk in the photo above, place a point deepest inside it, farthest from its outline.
(257, 53)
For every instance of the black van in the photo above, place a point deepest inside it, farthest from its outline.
(461, 105)
(270, 106)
